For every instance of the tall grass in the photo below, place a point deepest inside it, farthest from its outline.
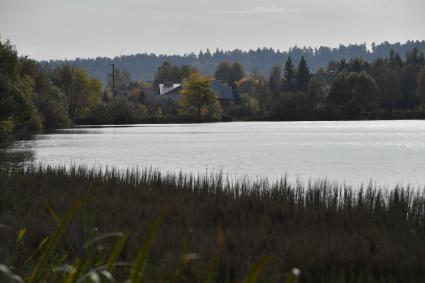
(214, 229)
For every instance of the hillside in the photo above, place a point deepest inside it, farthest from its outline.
(143, 66)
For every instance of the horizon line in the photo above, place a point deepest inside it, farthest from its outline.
(214, 50)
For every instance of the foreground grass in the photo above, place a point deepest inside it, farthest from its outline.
(82, 225)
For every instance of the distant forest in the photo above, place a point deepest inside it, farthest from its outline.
(143, 66)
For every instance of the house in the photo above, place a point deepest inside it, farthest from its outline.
(170, 90)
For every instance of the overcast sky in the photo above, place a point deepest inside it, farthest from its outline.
(46, 29)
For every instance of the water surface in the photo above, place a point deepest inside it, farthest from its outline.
(388, 152)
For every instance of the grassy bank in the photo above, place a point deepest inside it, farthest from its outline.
(212, 231)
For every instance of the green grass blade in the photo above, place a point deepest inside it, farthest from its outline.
(54, 215)
(136, 273)
(51, 245)
(21, 235)
(39, 248)
(119, 245)
(256, 270)
(182, 262)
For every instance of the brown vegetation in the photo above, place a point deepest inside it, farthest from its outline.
(330, 232)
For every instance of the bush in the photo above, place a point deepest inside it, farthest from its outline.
(120, 111)
(51, 106)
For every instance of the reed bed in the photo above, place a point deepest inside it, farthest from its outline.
(205, 228)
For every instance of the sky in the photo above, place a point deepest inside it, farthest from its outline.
(59, 29)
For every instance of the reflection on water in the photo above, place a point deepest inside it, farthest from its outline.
(389, 152)
(15, 157)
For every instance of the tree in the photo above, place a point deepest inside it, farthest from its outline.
(144, 66)
(256, 74)
(229, 73)
(197, 95)
(409, 77)
(303, 75)
(315, 91)
(118, 111)
(249, 106)
(223, 71)
(81, 91)
(50, 103)
(16, 107)
(169, 72)
(121, 80)
(390, 89)
(236, 92)
(352, 94)
(395, 61)
(289, 75)
(388, 83)
(421, 86)
(292, 107)
(412, 66)
(275, 80)
(185, 72)
(237, 72)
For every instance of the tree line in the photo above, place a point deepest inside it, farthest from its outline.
(386, 88)
(144, 66)
(34, 96)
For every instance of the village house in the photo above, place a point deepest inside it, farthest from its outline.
(225, 95)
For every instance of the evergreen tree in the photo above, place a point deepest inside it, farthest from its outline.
(289, 75)
(303, 75)
(144, 66)
(395, 61)
(421, 86)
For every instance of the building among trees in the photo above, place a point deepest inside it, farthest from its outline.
(172, 91)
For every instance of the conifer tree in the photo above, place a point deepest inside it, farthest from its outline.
(289, 75)
(303, 75)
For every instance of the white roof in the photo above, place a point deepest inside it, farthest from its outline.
(164, 89)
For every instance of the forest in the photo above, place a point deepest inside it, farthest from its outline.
(144, 66)
(37, 97)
